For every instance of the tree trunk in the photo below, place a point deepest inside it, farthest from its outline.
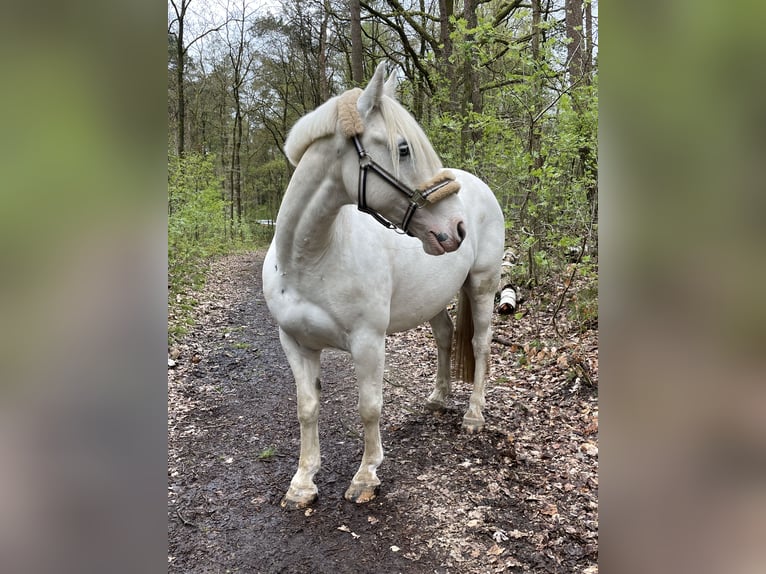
(357, 68)
(575, 47)
(236, 161)
(535, 138)
(180, 69)
(588, 42)
(324, 87)
(446, 10)
(471, 95)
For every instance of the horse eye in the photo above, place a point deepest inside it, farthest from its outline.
(404, 149)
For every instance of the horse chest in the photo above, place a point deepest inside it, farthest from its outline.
(316, 313)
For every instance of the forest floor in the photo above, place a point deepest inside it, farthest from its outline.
(521, 496)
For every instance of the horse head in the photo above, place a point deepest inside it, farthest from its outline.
(393, 172)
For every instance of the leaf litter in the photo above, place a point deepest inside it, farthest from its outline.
(522, 496)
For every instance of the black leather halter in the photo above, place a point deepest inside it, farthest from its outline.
(417, 198)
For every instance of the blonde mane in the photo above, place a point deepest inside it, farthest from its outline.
(315, 125)
(340, 113)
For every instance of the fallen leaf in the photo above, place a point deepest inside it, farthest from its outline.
(344, 528)
(549, 510)
(495, 550)
(395, 549)
(372, 520)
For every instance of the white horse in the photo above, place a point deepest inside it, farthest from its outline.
(334, 277)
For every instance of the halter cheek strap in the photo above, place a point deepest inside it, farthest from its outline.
(434, 190)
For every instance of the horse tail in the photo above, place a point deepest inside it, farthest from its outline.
(463, 360)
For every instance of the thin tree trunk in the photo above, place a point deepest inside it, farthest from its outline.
(471, 93)
(575, 47)
(180, 69)
(537, 88)
(357, 68)
(588, 41)
(236, 164)
(324, 88)
(446, 10)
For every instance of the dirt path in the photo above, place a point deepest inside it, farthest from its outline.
(520, 497)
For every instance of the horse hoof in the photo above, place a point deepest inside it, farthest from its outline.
(473, 426)
(298, 502)
(434, 407)
(361, 494)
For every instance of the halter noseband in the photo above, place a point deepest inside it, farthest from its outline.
(431, 192)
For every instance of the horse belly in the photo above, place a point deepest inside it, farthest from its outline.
(424, 287)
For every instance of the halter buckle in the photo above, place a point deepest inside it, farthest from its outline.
(364, 160)
(418, 198)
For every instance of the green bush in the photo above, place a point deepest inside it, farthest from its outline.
(199, 225)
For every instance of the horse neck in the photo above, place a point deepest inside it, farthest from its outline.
(313, 199)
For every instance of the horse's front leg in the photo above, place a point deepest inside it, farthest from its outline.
(368, 352)
(305, 366)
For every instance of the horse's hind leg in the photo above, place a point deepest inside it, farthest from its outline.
(305, 366)
(481, 294)
(442, 327)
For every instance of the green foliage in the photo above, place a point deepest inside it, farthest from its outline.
(499, 100)
(268, 453)
(583, 311)
(198, 221)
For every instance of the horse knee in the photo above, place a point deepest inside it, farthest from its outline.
(369, 410)
(308, 410)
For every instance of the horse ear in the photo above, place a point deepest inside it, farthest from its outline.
(373, 92)
(392, 83)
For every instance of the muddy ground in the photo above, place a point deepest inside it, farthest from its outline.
(519, 497)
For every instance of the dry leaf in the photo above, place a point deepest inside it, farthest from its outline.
(395, 549)
(344, 528)
(549, 510)
(495, 550)
(372, 520)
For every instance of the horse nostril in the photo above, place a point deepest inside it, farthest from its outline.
(461, 231)
(441, 237)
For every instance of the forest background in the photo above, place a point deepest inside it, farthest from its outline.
(506, 89)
